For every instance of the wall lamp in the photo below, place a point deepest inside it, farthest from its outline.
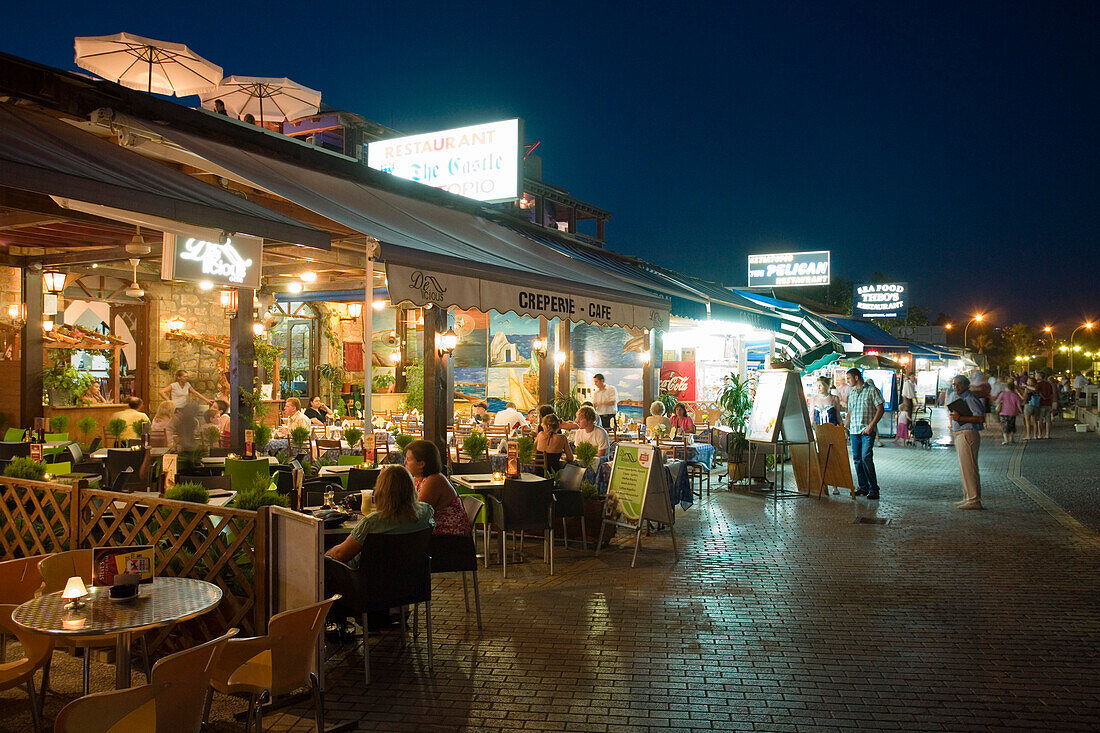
(645, 356)
(229, 301)
(538, 347)
(175, 324)
(560, 357)
(17, 312)
(446, 342)
(355, 310)
(54, 282)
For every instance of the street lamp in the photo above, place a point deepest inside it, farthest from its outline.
(1086, 324)
(978, 317)
(1049, 331)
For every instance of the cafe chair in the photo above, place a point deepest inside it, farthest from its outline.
(77, 458)
(242, 472)
(210, 483)
(342, 460)
(471, 467)
(264, 667)
(525, 506)
(569, 501)
(14, 435)
(394, 570)
(37, 650)
(362, 479)
(96, 442)
(53, 437)
(19, 581)
(14, 450)
(452, 553)
(56, 570)
(323, 445)
(172, 701)
(118, 460)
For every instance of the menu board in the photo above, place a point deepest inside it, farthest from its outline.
(108, 562)
(884, 380)
(629, 478)
(764, 418)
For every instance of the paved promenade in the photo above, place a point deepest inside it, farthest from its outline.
(788, 618)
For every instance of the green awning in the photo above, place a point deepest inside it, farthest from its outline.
(821, 355)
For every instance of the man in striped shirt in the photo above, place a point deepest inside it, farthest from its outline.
(865, 408)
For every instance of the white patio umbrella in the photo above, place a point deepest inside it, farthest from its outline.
(264, 97)
(147, 64)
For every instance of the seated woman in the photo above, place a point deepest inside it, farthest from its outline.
(423, 461)
(396, 511)
(317, 412)
(162, 432)
(552, 443)
(681, 420)
(657, 417)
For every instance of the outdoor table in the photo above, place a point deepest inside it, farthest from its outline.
(220, 460)
(155, 452)
(165, 601)
(58, 443)
(484, 483)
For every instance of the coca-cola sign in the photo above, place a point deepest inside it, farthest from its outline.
(678, 378)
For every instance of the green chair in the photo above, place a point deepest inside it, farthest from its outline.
(13, 435)
(59, 469)
(481, 517)
(349, 460)
(52, 437)
(242, 472)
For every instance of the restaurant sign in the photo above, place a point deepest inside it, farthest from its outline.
(446, 290)
(789, 269)
(880, 300)
(481, 162)
(235, 262)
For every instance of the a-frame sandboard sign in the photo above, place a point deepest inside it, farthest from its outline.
(779, 414)
(636, 493)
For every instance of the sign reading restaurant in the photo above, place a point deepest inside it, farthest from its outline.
(481, 162)
(234, 262)
(789, 269)
(880, 300)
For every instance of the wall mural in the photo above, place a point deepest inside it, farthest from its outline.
(613, 352)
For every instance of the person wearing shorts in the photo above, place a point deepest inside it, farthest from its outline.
(1046, 406)
(1008, 407)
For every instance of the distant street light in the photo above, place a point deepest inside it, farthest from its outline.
(978, 317)
(1049, 331)
(1086, 324)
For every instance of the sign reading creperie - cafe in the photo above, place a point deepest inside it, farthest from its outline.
(421, 287)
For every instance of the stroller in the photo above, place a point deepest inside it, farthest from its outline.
(921, 433)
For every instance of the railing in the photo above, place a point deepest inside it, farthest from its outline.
(226, 547)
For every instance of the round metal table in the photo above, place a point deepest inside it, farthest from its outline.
(164, 601)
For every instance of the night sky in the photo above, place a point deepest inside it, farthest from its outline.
(954, 148)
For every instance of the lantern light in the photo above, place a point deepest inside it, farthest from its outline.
(355, 310)
(447, 341)
(294, 287)
(176, 323)
(378, 305)
(54, 282)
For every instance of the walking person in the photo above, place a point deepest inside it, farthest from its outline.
(865, 409)
(1046, 405)
(967, 433)
(1009, 405)
(1031, 409)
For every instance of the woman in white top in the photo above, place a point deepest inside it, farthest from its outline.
(179, 392)
(657, 416)
(589, 432)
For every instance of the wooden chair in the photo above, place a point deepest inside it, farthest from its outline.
(19, 580)
(56, 570)
(37, 650)
(322, 446)
(264, 667)
(172, 701)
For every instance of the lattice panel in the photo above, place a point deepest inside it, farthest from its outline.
(34, 518)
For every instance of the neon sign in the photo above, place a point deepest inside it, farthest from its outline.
(236, 261)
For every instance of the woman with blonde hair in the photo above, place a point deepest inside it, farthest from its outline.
(396, 511)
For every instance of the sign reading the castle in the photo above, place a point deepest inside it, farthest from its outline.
(234, 262)
(481, 162)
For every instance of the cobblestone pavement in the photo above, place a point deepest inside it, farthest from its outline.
(790, 617)
(1064, 468)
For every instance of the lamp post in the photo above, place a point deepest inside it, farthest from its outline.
(1086, 324)
(1049, 331)
(978, 317)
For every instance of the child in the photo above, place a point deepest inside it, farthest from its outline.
(903, 428)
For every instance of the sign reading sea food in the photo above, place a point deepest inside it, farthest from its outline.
(234, 262)
(481, 162)
(880, 300)
(629, 477)
(789, 269)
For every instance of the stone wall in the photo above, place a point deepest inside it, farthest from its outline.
(202, 313)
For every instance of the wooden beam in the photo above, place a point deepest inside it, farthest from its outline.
(30, 379)
(241, 369)
(436, 384)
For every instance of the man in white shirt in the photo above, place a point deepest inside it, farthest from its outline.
(510, 417)
(589, 432)
(1079, 384)
(604, 400)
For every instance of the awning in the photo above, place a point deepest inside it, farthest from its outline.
(690, 297)
(870, 335)
(44, 155)
(800, 331)
(435, 254)
(819, 356)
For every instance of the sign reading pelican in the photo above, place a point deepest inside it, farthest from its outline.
(234, 262)
(880, 300)
(789, 269)
(481, 162)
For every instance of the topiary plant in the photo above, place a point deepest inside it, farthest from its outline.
(585, 454)
(59, 423)
(192, 492)
(115, 428)
(86, 425)
(588, 491)
(25, 468)
(261, 435)
(475, 445)
(402, 440)
(299, 436)
(212, 435)
(259, 494)
(526, 449)
(353, 436)
(138, 426)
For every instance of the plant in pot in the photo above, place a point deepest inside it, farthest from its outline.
(261, 434)
(566, 404)
(735, 400)
(186, 491)
(299, 436)
(64, 383)
(86, 425)
(382, 383)
(475, 446)
(25, 468)
(59, 423)
(402, 440)
(525, 446)
(211, 436)
(115, 428)
(138, 426)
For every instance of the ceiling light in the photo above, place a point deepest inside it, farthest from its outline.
(206, 285)
(258, 328)
(308, 276)
(137, 245)
(134, 290)
(54, 281)
(294, 287)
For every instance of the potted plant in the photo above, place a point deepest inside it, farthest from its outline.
(669, 400)
(25, 468)
(735, 401)
(382, 383)
(566, 404)
(353, 436)
(59, 423)
(64, 384)
(299, 436)
(261, 434)
(186, 491)
(138, 426)
(211, 436)
(86, 425)
(401, 440)
(115, 428)
(475, 446)
(525, 449)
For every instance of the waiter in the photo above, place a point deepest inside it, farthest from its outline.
(605, 401)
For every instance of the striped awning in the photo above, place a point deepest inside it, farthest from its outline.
(800, 331)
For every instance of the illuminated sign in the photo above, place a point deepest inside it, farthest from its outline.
(880, 300)
(789, 269)
(481, 162)
(236, 261)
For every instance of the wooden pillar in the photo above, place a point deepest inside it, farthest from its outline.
(402, 331)
(599, 229)
(30, 377)
(242, 371)
(116, 366)
(436, 387)
(651, 370)
(545, 365)
(370, 249)
(565, 369)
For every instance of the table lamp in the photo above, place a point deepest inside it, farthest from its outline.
(75, 593)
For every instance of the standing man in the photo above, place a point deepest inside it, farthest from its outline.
(1046, 405)
(605, 401)
(1079, 384)
(865, 408)
(967, 433)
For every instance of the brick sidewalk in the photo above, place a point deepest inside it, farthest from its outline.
(794, 618)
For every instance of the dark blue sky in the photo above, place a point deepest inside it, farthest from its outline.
(955, 148)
